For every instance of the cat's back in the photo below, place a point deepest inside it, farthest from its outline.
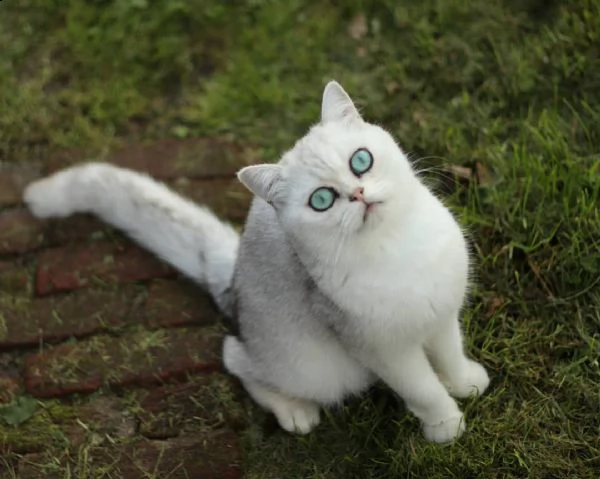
(267, 268)
(274, 291)
(263, 240)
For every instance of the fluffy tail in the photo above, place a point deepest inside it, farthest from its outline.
(187, 236)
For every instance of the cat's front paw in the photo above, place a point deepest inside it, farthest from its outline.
(473, 380)
(445, 431)
(297, 416)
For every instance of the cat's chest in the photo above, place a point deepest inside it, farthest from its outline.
(418, 285)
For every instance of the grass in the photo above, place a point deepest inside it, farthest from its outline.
(509, 87)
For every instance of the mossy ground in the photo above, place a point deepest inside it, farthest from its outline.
(509, 87)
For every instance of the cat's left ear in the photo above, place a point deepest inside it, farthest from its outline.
(337, 105)
(262, 180)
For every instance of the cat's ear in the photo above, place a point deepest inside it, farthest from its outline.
(337, 105)
(262, 180)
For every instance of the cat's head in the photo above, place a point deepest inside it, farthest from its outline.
(344, 178)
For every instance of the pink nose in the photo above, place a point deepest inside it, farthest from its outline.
(358, 195)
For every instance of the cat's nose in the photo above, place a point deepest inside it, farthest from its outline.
(358, 194)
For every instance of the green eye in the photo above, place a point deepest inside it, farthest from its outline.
(322, 199)
(361, 161)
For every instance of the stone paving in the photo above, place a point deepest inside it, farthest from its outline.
(121, 354)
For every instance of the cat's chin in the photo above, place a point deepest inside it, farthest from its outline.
(370, 209)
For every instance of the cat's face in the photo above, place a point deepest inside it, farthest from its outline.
(345, 178)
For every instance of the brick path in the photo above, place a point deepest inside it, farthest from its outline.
(121, 352)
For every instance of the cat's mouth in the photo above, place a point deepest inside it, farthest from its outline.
(369, 208)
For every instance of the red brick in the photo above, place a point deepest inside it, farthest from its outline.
(19, 231)
(10, 385)
(193, 158)
(141, 358)
(15, 278)
(226, 197)
(178, 303)
(102, 416)
(33, 322)
(212, 455)
(71, 267)
(9, 193)
(13, 177)
(74, 228)
(206, 402)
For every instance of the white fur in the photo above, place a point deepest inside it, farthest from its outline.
(187, 236)
(293, 414)
(400, 276)
(327, 302)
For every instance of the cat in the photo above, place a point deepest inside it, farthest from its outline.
(349, 270)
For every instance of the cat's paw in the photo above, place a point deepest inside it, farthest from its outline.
(445, 431)
(472, 381)
(297, 416)
(47, 197)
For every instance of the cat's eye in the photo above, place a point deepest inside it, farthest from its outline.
(322, 198)
(361, 161)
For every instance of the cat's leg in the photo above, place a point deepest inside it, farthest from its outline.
(462, 376)
(293, 414)
(409, 373)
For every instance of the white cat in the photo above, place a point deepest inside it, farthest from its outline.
(349, 270)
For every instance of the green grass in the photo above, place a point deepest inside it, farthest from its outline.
(511, 86)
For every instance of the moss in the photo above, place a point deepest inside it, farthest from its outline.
(3, 327)
(15, 306)
(40, 432)
(227, 396)
(14, 281)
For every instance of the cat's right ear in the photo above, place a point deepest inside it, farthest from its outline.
(337, 106)
(262, 180)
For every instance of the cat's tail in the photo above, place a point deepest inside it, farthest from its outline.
(187, 236)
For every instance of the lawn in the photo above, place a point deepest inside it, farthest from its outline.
(505, 94)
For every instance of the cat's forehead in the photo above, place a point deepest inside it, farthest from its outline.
(326, 150)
